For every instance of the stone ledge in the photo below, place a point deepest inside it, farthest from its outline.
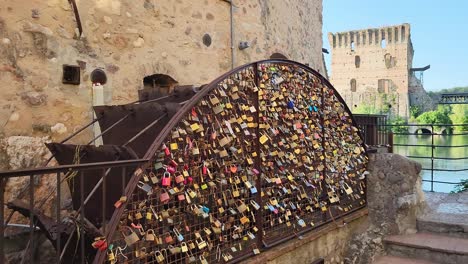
(290, 245)
(432, 242)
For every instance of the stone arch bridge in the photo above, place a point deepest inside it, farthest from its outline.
(427, 129)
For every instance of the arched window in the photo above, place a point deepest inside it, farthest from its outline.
(277, 55)
(352, 46)
(352, 83)
(155, 86)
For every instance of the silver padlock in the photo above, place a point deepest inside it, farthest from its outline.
(145, 187)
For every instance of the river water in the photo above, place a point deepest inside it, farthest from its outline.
(452, 152)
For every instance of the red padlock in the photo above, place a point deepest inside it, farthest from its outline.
(166, 179)
(173, 163)
(168, 238)
(204, 170)
(167, 151)
(164, 196)
(170, 169)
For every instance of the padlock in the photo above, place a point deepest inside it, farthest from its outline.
(131, 237)
(159, 256)
(179, 178)
(164, 196)
(253, 190)
(168, 238)
(119, 203)
(184, 247)
(241, 207)
(110, 256)
(244, 220)
(203, 260)
(150, 235)
(145, 187)
(181, 196)
(179, 236)
(201, 244)
(166, 179)
(255, 204)
(174, 250)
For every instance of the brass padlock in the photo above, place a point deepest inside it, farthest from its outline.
(159, 256)
(131, 237)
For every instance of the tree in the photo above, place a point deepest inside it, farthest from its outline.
(440, 116)
(460, 116)
(399, 125)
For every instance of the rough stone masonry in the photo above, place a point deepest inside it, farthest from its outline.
(374, 67)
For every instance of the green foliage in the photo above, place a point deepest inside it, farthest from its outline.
(440, 116)
(399, 125)
(461, 187)
(415, 111)
(460, 116)
(365, 109)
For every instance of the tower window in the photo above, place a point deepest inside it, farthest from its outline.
(352, 46)
(357, 61)
(353, 85)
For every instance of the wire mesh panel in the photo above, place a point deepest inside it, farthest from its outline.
(261, 154)
(309, 151)
(195, 203)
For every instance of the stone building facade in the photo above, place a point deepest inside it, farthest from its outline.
(46, 62)
(372, 68)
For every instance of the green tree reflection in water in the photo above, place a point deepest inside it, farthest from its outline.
(439, 152)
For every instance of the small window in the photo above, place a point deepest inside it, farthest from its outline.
(383, 86)
(352, 46)
(353, 85)
(357, 61)
(71, 74)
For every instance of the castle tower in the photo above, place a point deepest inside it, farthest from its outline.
(371, 68)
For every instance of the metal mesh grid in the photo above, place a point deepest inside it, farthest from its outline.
(268, 153)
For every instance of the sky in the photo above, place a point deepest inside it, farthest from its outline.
(439, 32)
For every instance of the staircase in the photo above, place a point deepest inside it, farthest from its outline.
(442, 235)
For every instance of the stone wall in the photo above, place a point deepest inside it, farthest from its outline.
(395, 199)
(367, 56)
(130, 40)
(188, 40)
(419, 96)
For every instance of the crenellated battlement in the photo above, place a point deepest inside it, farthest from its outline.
(370, 37)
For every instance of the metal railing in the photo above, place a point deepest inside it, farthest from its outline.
(374, 131)
(70, 246)
(377, 133)
(433, 131)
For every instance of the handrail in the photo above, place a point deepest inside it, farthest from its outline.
(64, 168)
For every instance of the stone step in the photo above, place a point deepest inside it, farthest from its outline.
(399, 260)
(443, 226)
(428, 246)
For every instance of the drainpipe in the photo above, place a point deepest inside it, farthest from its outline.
(231, 13)
(77, 17)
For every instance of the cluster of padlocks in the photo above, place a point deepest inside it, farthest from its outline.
(268, 151)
